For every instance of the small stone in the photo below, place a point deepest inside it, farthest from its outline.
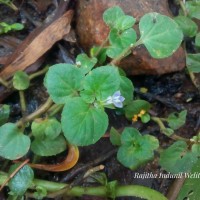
(92, 30)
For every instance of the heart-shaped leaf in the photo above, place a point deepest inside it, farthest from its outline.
(126, 88)
(111, 14)
(193, 62)
(188, 26)
(136, 149)
(177, 158)
(193, 9)
(101, 83)
(48, 147)
(63, 81)
(134, 108)
(120, 41)
(21, 80)
(82, 123)
(85, 63)
(124, 22)
(22, 179)
(49, 128)
(176, 120)
(11, 137)
(160, 34)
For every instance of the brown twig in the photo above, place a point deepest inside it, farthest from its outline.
(13, 174)
(87, 166)
(175, 188)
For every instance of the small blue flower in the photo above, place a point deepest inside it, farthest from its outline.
(115, 99)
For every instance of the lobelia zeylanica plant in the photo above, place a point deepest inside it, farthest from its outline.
(83, 92)
(187, 20)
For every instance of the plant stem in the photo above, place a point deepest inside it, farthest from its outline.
(125, 52)
(102, 46)
(38, 73)
(4, 83)
(22, 102)
(101, 191)
(42, 109)
(54, 109)
(183, 8)
(162, 128)
(11, 5)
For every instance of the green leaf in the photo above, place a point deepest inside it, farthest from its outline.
(176, 120)
(13, 143)
(115, 137)
(160, 34)
(168, 131)
(49, 128)
(120, 41)
(111, 14)
(124, 22)
(177, 158)
(126, 88)
(48, 147)
(85, 63)
(136, 149)
(190, 189)
(145, 118)
(101, 83)
(17, 26)
(188, 26)
(197, 40)
(114, 51)
(63, 81)
(193, 9)
(196, 149)
(101, 55)
(22, 179)
(21, 80)
(193, 62)
(82, 123)
(134, 108)
(40, 193)
(4, 113)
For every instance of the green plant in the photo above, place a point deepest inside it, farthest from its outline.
(5, 28)
(83, 92)
(189, 10)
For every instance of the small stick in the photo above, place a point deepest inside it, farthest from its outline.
(93, 170)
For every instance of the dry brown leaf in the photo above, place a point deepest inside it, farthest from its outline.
(36, 44)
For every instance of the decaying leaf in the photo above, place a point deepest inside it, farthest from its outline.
(36, 44)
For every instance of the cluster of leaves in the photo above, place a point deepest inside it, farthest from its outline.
(189, 12)
(5, 28)
(122, 36)
(85, 92)
(136, 149)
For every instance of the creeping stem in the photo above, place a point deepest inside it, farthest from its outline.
(37, 113)
(101, 191)
(125, 52)
(162, 128)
